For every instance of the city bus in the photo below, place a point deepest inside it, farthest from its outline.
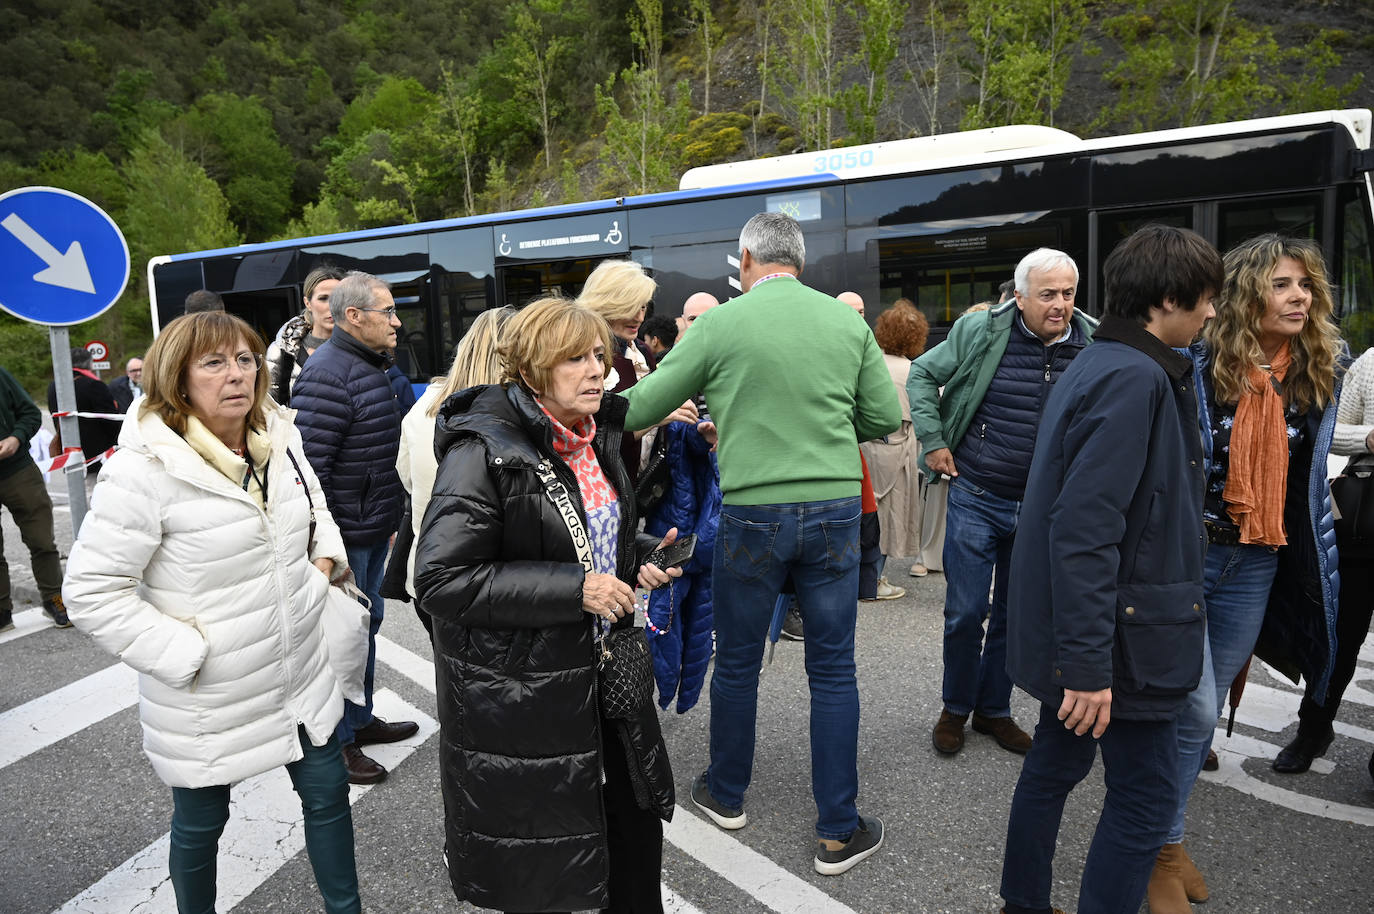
(938, 220)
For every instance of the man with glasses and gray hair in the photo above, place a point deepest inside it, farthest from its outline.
(350, 425)
(975, 407)
(796, 381)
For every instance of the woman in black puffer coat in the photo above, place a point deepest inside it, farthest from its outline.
(549, 805)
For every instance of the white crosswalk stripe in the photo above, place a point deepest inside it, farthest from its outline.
(265, 830)
(744, 867)
(57, 715)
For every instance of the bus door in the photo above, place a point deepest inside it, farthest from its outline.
(946, 272)
(529, 281)
(265, 310)
(1108, 228)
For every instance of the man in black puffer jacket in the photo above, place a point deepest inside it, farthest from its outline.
(351, 427)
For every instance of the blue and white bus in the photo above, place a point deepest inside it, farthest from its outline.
(939, 220)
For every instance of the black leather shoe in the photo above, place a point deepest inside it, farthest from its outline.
(361, 769)
(379, 731)
(1297, 756)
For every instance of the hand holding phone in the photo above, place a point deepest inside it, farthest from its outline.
(674, 555)
(665, 563)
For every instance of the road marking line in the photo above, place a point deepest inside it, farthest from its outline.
(751, 871)
(26, 623)
(1232, 775)
(673, 904)
(409, 664)
(265, 831)
(37, 724)
(1249, 747)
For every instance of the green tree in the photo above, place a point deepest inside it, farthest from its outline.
(534, 57)
(1022, 55)
(926, 61)
(90, 174)
(455, 125)
(1190, 62)
(706, 26)
(234, 139)
(807, 68)
(637, 149)
(763, 33)
(173, 206)
(880, 24)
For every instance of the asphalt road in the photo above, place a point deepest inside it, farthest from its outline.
(83, 814)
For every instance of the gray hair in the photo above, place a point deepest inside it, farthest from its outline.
(81, 357)
(1041, 259)
(356, 290)
(774, 238)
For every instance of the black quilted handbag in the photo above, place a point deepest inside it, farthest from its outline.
(625, 674)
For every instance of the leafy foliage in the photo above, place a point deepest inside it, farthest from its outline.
(201, 123)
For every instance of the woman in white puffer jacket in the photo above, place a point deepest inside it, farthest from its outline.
(192, 568)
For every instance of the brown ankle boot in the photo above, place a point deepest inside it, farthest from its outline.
(1193, 883)
(1166, 892)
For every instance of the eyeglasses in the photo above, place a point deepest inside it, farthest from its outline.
(248, 363)
(389, 312)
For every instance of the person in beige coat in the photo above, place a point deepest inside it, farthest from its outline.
(901, 333)
(198, 567)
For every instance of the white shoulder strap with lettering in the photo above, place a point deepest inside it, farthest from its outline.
(558, 494)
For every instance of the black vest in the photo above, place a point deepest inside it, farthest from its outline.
(995, 453)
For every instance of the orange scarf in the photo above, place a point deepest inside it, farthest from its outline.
(1257, 478)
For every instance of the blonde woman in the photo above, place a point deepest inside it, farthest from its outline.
(475, 361)
(1268, 386)
(620, 292)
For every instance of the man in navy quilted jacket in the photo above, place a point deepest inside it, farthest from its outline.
(975, 406)
(351, 426)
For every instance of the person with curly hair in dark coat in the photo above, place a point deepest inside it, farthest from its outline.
(549, 804)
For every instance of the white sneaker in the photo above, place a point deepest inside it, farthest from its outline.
(919, 571)
(888, 591)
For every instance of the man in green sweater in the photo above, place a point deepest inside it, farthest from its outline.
(795, 382)
(22, 491)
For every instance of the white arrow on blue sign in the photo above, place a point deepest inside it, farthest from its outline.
(62, 258)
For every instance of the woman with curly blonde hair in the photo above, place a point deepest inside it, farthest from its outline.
(1268, 379)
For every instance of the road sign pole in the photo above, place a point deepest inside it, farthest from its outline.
(69, 430)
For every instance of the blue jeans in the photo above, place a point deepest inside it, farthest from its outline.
(368, 564)
(980, 529)
(756, 548)
(1235, 586)
(1138, 759)
(199, 815)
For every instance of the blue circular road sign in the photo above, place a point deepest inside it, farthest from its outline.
(62, 259)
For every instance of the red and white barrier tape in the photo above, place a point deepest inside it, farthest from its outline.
(117, 417)
(70, 458)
